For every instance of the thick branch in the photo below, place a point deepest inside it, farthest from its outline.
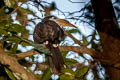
(109, 32)
(15, 67)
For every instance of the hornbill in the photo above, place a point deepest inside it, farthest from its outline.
(49, 32)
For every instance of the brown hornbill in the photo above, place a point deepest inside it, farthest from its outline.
(49, 32)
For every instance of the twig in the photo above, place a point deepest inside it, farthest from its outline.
(73, 38)
(26, 54)
(14, 11)
(75, 2)
(78, 65)
(39, 66)
(93, 37)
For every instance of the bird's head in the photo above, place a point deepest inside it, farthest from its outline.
(50, 18)
(61, 22)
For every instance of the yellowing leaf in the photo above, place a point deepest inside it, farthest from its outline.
(9, 3)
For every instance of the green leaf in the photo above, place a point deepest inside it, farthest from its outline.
(64, 53)
(16, 28)
(24, 44)
(9, 3)
(1, 44)
(70, 61)
(73, 30)
(66, 77)
(69, 74)
(25, 33)
(38, 76)
(47, 74)
(41, 48)
(13, 39)
(10, 74)
(84, 40)
(32, 58)
(3, 32)
(2, 24)
(80, 72)
(15, 46)
(3, 78)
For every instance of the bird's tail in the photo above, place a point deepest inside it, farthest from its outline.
(55, 60)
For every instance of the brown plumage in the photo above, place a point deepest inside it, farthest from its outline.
(49, 30)
(63, 23)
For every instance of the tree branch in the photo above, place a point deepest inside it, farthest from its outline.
(78, 49)
(73, 38)
(26, 54)
(40, 48)
(75, 2)
(15, 67)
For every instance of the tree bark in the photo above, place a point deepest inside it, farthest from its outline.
(15, 67)
(109, 32)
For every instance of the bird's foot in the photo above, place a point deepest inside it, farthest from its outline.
(46, 42)
(55, 45)
(65, 66)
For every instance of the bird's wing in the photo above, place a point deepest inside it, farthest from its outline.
(40, 34)
(56, 32)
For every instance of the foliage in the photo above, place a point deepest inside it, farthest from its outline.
(16, 24)
(12, 77)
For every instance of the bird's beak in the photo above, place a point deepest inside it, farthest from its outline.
(63, 23)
